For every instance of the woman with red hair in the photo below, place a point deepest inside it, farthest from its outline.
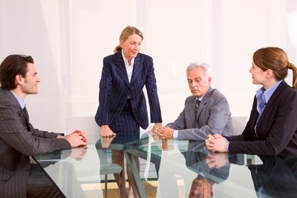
(272, 125)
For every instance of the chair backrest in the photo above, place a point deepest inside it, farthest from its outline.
(239, 123)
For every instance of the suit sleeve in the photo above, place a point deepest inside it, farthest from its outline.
(179, 123)
(282, 130)
(151, 87)
(44, 134)
(15, 133)
(218, 118)
(103, 114)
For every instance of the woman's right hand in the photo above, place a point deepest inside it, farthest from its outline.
(106, 131)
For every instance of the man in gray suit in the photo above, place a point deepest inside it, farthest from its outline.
(18, 138)
(205, 112)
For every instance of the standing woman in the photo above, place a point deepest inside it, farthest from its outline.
(272, 125)
(122, 105)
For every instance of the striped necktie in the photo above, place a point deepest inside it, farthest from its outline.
(197, 104)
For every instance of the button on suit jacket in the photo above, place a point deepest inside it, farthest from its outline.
(115, 89)
(18, 141)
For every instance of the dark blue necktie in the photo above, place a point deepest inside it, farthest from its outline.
(26, 113)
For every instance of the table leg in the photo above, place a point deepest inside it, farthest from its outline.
(135, 174)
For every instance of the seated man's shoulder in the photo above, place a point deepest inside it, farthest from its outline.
(5, 98)
(4, 94)
(216, 94)
(190, 99)
(2, 91)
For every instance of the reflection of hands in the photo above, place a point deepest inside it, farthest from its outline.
(156, 127)
(216, 143)
(78, 153)
(216, 160)
(155, 136)
(166, 146)
(105, 141)
(106, 131)
(77, 138)
(165, 133)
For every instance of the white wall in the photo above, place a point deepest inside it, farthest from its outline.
(68, 40)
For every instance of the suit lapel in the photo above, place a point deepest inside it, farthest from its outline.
(253, 117)
(278, 91)
(136, 68)
(192, 111)
(203, 102)
(121, 69)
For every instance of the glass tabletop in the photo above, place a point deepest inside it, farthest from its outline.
(166, 168)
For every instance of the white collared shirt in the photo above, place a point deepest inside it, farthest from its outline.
(129, 68)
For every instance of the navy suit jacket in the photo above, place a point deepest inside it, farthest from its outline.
(276, 129)
(115, 89)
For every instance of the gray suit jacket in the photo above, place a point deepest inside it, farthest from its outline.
(213, 117)
(18, 141)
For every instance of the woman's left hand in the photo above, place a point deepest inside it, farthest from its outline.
(156, 127)
(216, 143)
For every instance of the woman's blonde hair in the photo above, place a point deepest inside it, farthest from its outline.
(129, 30)
(275, 59)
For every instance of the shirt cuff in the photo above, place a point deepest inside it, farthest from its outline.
(227, 144)
(175, 134)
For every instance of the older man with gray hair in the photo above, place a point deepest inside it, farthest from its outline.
(206, 112)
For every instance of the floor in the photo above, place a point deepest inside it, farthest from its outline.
(113, 190)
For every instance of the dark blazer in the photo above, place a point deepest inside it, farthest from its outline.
(276, 129)
(212, 117)
(276, 176)
(115, 89)
(18, 141)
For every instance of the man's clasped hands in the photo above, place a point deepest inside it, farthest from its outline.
(215, 143)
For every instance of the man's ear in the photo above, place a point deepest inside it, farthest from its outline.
(209, 80)
(19, 79)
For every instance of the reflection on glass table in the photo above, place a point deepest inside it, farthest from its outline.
(167, 168)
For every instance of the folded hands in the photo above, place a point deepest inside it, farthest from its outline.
(216, 143)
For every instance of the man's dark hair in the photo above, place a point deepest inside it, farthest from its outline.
(11, 66)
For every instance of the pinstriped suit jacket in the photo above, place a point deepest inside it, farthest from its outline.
(115, 89)
(213, 117)
(18, 141)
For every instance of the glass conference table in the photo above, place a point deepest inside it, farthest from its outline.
(167, 168)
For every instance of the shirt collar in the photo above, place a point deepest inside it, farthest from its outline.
(125, 60)
(200, 98)
(21, 102)
(268, 93)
